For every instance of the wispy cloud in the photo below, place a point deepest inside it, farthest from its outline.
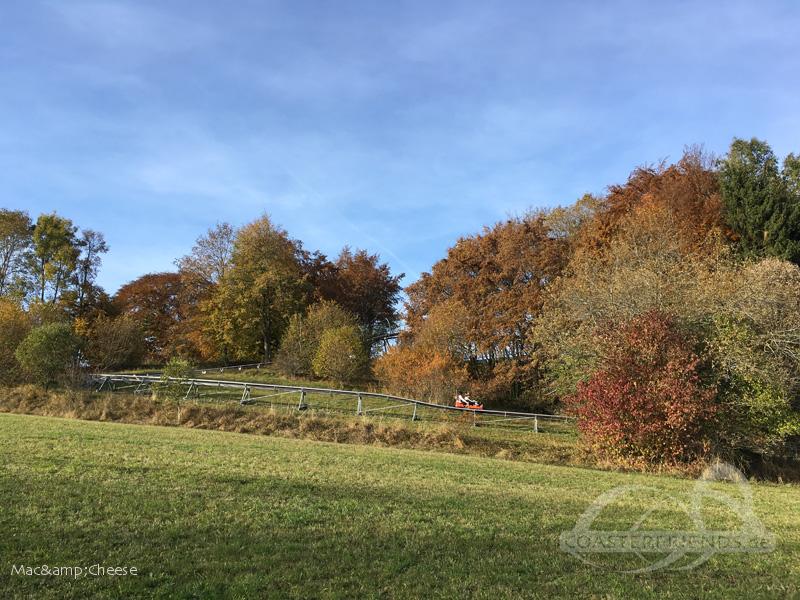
(392, 126)
(121, 25)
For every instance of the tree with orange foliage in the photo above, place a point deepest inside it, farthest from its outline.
(689, 189)
(498, 277)
(154, 302)
(431, 365)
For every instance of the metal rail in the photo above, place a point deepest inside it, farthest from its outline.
(247, 367)
(143, 383)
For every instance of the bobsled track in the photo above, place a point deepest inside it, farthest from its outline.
(325, 400)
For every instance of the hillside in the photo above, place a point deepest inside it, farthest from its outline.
(205, 513)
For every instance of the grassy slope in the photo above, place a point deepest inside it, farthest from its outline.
(457, 435)
(266, 374)
(203, 513)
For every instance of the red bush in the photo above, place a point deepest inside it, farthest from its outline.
(646, 400)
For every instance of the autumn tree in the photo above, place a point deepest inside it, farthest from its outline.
(340, 355)
(54, 257)
(567, 222)
(322, 277)
(688, 190)
(211, 256)
(15, 241)
(206, 324)
(432, 364)
(114, 343)
(264, 287)
(14, 327)
(762, 201)
(498, 277)
(366, 288)
(300, 342)
(154, 302)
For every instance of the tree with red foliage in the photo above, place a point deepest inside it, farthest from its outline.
(154, 302)
(647, 400)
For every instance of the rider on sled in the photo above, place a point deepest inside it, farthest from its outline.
(466, 402)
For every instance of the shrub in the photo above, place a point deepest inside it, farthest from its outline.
(341, 355)
(14, 326)
(296, 352)
(172, 386)
(433, 364)
(114, 343)
(422, 374)
(646, 401)
(758, 419)
(759, 385)
(301, 341)
(48, 354)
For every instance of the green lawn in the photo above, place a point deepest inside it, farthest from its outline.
(210, 514)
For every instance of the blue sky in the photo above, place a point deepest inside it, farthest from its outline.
(391, 126)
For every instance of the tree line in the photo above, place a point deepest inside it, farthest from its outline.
(664, 313)
(231, 299)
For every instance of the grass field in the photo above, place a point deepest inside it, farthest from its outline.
(214, 514)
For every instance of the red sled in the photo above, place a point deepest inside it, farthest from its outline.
(470, 405)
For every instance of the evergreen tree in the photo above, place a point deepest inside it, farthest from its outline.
(761, 200)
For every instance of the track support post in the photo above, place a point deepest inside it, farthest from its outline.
(192, 391)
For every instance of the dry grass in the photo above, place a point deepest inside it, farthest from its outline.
(456, 438)
(453, 438)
